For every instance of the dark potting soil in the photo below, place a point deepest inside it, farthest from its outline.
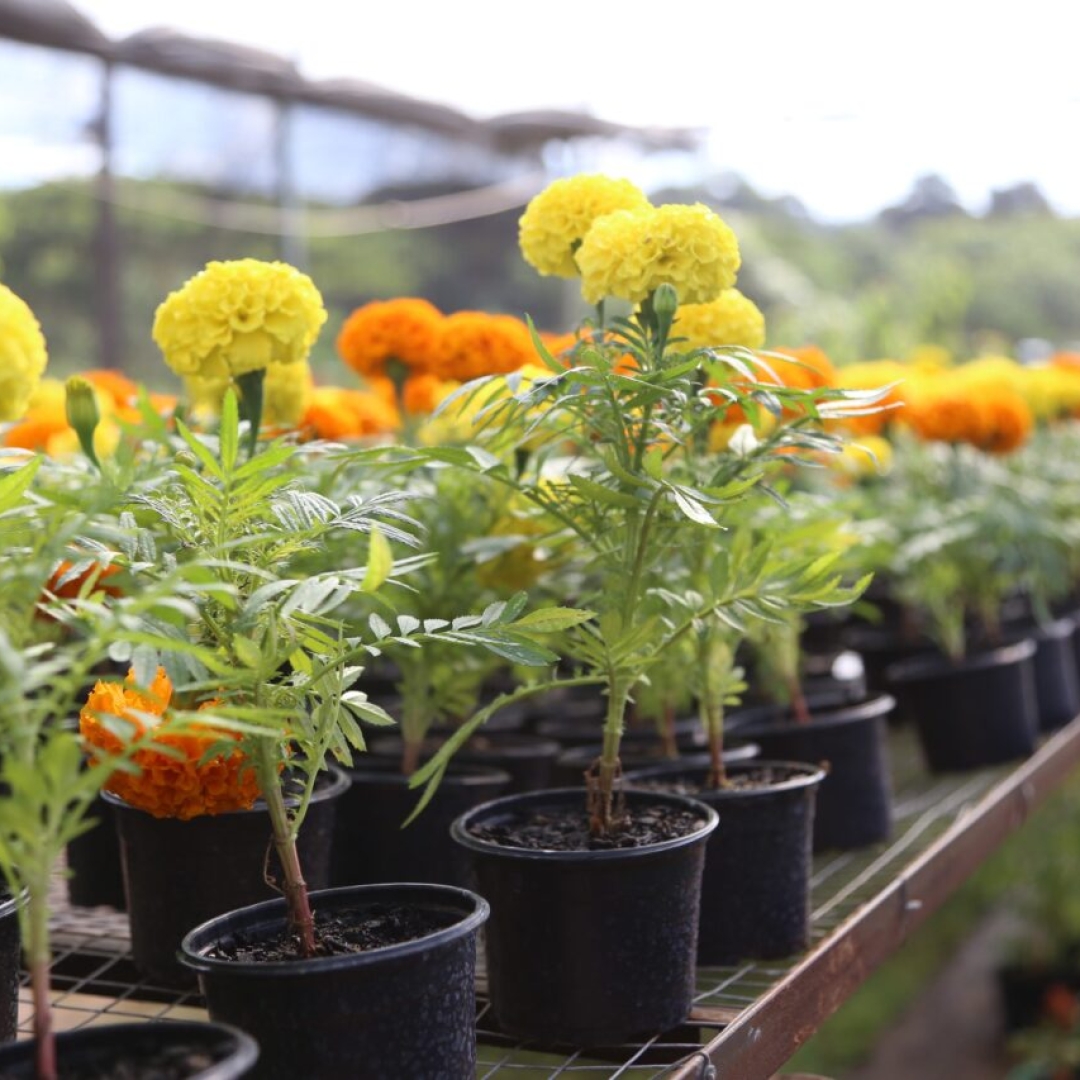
(163, 1063)
(744, 780)
(568, 830)
(341, 933)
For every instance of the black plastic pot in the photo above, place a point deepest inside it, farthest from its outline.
(141, 1047)
(1023, 989)
(854, 805)
(178, 873)
(1057, 684)
(755, 894)
(979, 711)
(371, 847)
(570, 731)
(405, 1010)
(527, 759)
(93, 860)
(571, 765)
(588, 947)
(880, 647)
(9, 964)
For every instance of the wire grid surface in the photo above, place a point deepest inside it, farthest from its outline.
(95, 982)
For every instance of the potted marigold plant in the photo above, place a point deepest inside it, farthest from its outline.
(949, 524)
(607, 438)
(269, 646)
(50, 647)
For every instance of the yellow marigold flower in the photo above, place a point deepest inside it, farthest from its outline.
(1052, 391)
(236, 317)
(730, 319)
(555, 221)
(928, 359)
(631, 253)
(166, 786)
(870, 456)
(474, 343)
(286, 394)
(22, 355)
(406, 329)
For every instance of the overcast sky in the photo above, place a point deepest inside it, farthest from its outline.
(840, 102)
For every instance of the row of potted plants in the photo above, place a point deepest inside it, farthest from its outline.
(626, 518)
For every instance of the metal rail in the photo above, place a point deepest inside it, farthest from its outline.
(761, 1038)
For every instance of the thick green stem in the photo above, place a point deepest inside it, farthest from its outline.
(294, 887)
(602, 817)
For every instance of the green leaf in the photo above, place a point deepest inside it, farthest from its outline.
(551, 620)
(653, 462)
(247, 651)
(691, 508)
(380, 561)
(13, 485)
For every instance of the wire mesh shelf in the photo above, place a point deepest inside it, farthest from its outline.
(94, 980)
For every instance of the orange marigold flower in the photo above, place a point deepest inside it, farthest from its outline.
(115, 385)
(423, 394)
(872, 375)
(474, 343)
(1006, 422)
(338, 414)
(65, 585)
(945, 414)
(406, 329)
(167, 785)
(812, 369)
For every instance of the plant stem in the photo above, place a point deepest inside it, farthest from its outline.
(670, 746)
(799, 708)
(301, 922)
(410, 756)
(38, 959)
(601, 816)
(712, 716)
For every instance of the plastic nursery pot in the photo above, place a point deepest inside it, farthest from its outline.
(147, 1051)
(571, 731)
(371, 847)
(880, 647)
(9, 963)
(527, 759)
(1057, 683)
(181, 873)
(854, 805)
(571, 765)
(588, 947)
(404, 1010)
(979, 711)
(93, 860)
(755, 894)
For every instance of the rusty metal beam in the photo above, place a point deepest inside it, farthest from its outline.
(765, 1035)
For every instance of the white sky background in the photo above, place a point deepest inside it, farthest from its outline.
(839, 102)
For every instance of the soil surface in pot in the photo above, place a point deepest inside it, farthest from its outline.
(568, 830)
(164, 1063)
(763, 776)
(341, 933)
